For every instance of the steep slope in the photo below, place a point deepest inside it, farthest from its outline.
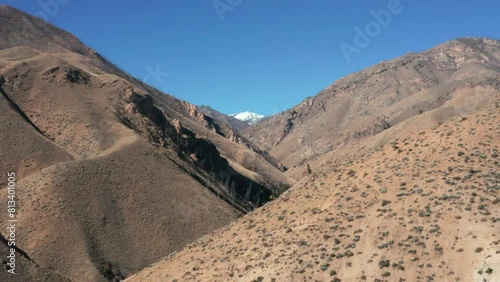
(70, 151)
(103, 160)
(422, 208)
(457, 77)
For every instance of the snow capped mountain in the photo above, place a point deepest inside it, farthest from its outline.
(249, 117)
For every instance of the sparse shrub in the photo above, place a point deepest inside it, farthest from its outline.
(434, 228)
(384, 263)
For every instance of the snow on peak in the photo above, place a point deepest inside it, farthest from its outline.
(248, 117)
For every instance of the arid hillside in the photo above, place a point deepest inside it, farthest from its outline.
(455, 77)
(394, 172)
(422, 208)
(112, 175)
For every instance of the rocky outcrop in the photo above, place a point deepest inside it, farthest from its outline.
(144, 104)
(216, 172)
(195, 114)
(289, 123)
(221, 118)
(226, 130)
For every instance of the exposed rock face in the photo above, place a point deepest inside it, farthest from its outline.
(144, 104)
(365, 103)
(236, 189)
(207, 122)
(226, 127)
(221, 125)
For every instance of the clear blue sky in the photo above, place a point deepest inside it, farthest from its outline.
(264, 55)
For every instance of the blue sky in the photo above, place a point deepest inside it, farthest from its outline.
(259, 55)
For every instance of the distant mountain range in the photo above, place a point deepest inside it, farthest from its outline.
(249, 117)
